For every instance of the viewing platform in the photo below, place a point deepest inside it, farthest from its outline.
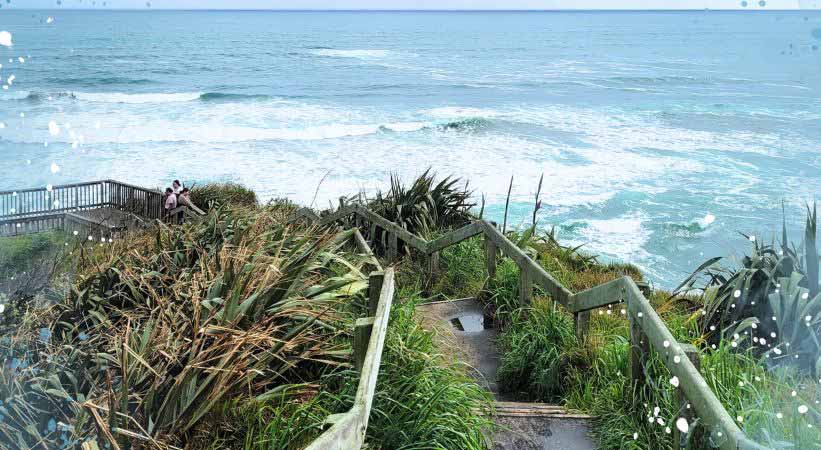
(104, 207)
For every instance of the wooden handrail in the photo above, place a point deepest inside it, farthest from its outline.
(70, 185)
(527, 266)
(341, 213)
(597, 297)
(403, 234)
(26, 225)
(82, 220)
(365, 249)
(348, 429)
(190, 210)
(33, 208)
(306, 213)
(709, 408)
(454, 237)
(133, 186)
(370, 370)
(14, 220)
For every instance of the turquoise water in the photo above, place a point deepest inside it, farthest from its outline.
(647, 126)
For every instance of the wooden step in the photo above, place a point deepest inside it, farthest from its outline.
(520, 409)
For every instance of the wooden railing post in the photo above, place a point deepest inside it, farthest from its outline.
(639, 351)
(582, 322)
(490, 256)
(433, 265)
(525, 287)
(363, 328)
(346, 221)
(685, 409)
(361, 339)
(375, 281)
(644, 287)
(393, 246)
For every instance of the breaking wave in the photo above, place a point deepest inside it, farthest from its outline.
(219, 96)
(118, 97)
(14, 95)
(111, 97)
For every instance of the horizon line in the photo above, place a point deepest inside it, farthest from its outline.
(419, 10)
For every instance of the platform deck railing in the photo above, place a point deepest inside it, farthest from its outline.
(46, 208)
(80, 196)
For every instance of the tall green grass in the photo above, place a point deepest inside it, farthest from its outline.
(542, 361)
(537, 350)
(422, 400)
(19, 254)
(461, 272)
(31, 269)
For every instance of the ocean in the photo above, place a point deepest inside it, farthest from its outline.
(661, 135)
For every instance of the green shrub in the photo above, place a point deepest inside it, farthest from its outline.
(31, 267)
(18, 253)
(229, 194)
(423, 208)
(502, 297)
(291, 419)
(775, 281)
(461, 270)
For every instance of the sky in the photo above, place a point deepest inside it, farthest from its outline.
(420, 4)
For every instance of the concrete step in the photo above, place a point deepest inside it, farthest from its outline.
(543, 431)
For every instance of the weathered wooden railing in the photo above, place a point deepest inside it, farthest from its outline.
(81, 196)
(348, 429)
(647, 330)
(51, 207)
(28, 225)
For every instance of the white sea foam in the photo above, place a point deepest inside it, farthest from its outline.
(14, 95)
(117, 97)
(5, 39)
(608, 151)
(268, 114)
(615, 129)
(228, 134)
(407, 127)
(215, 134)
(623, 238)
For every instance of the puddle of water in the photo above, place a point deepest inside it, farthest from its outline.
(471, 323)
